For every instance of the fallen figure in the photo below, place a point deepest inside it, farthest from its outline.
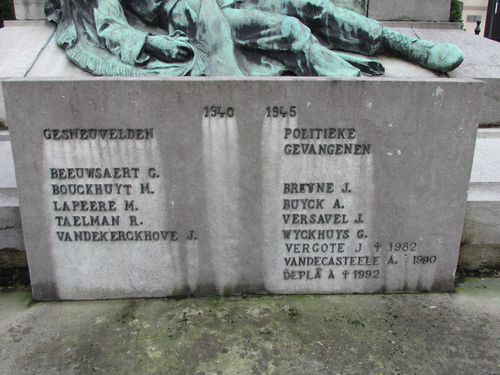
(232, 38)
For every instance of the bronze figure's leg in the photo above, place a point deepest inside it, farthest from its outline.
(441, 57)
(336, 28)
(339, 28)
(214, 33)
(200, 20)
(199, 37)
(287, 40)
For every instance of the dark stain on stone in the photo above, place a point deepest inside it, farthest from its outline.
(45, 292)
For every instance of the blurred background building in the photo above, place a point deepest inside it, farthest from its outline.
(487, 13)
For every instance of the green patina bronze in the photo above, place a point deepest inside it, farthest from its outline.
(232, 38)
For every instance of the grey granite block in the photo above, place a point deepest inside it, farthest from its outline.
(11, 236)
(483, 209)
(414, 10)
(224, 185)
(481, 235)
(29, 9)
(19, 48)
(480, 258)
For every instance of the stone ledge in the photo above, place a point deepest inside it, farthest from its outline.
(11, 23)
(417, 10)
(423, 25)
(482, 60)
(413, 10)
(481, 224)
(479, 258)
(29, 9)
(17, 58)
(11, 236)
(13, 267)
(481, 236)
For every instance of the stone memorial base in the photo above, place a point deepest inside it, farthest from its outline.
(153, 188)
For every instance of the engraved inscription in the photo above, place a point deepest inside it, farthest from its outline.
(101, 203)
(324, 231)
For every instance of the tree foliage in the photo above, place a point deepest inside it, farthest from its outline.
(6, 11)
(456, 11)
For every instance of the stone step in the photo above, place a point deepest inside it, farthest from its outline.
(11, 236)
(481, 235)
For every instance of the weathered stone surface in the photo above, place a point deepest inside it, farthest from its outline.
(19, 47)
(253, 335)
(13, 267)
(229, 179)
(486, 159)
(52, 62)
(359, 6)
(481, 236)
(480, 258)
(11, 236)
(482, 222)
(483, 209)
(482, 61)
(423, 25)
(2, 109)
(415, 10)
(29, 9)
(7, 173)
(10, 259)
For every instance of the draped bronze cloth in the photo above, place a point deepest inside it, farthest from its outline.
(231, 37)
(104, 38)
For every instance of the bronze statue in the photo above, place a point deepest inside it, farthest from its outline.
(232, 38)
